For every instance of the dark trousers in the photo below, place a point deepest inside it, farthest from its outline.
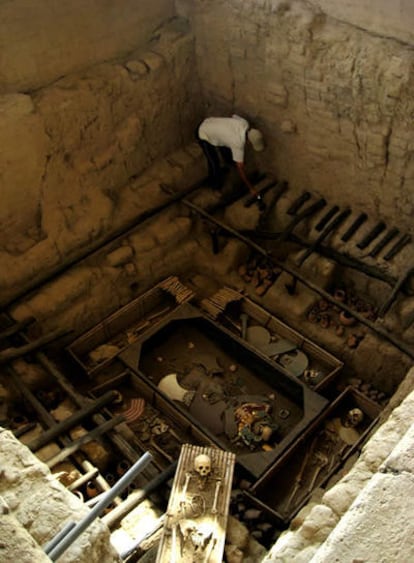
(212, 154)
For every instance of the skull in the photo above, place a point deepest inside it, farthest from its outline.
(353, 418)
(202, 465)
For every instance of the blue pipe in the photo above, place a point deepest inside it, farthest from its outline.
(81, 526)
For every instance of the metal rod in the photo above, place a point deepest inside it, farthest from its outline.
(138, 496)
(23, 429)
(74, 446)
(49, 366)
(71, 421)
(50, 422)
(339, 257)
(115, 436)
(79, 400)
(95, 512)
(59, 536)
(94, 500)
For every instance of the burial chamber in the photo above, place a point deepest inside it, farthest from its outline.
(120, 265)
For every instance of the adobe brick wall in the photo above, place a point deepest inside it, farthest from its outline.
(333, 99)
(43, 41)
(75, 152)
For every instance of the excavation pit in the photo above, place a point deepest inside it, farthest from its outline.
(219, 384)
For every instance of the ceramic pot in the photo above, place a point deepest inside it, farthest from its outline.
(346, 319)
(340, 295)
(325, 321)
(352, 341)
(110, 479)
(91, 489)
(122, 467)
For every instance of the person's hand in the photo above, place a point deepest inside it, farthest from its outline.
(260, 203)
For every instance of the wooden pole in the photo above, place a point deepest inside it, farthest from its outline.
(15, 327)
(74, 446)
(10, 354)
(71, 421)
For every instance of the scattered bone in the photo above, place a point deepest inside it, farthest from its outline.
(103, 352)
(321, 462)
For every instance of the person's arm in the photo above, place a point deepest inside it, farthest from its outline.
(243, 176)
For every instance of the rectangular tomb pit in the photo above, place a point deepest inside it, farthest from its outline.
(237, 399)
(96, 349)
(340, 431)
(272, 337)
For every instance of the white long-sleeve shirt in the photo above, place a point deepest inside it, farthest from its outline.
(226, 132)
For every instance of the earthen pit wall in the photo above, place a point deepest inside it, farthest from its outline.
(368, 144)
(91, 289)
(34, 507)
(74, 154)
(43, 41)
(367, 515)
(390, 19)
(333, 100)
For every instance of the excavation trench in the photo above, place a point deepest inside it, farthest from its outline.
(258, 361)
